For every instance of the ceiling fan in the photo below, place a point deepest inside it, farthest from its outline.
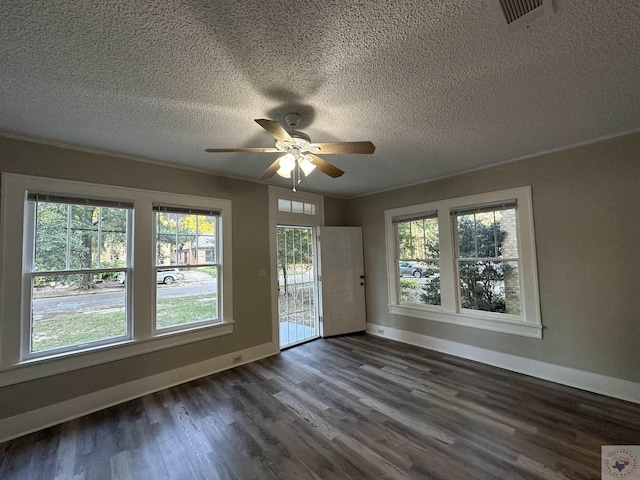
(299, 154)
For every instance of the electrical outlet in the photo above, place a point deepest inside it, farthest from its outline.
(236, 359)
(381, 331)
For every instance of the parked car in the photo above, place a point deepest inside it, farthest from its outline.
(414, 269)
(165, 275)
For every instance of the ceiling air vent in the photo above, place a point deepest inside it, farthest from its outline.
(514, 15)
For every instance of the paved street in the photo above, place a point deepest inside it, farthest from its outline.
(112, 298)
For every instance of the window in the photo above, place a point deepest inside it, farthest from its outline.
(487, 259)
(186, 244)
(83, 284)
(73, 297)
(417, 241)
(294, 206)
(469, 261)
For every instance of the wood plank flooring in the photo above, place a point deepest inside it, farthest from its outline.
(349, 407)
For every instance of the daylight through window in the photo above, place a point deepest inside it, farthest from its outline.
(487, 260)
(80, 247)
(96, 273)
(469, 261)
(187, 267)
(418, 259)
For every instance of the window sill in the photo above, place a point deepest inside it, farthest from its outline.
(479, 320)
(65, 362)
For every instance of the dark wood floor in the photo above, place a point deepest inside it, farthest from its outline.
(349, 407)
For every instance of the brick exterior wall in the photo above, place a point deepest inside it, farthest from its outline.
(510, 250)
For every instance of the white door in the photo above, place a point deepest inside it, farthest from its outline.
(342, 281)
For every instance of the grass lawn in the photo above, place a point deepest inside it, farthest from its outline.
(71, 327)
(212, 272)
(60, 329)
(180, 310)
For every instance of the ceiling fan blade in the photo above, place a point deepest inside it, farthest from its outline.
(271, 171)
(247, 150)
(325, 167)
(346, 147)
(275, 129)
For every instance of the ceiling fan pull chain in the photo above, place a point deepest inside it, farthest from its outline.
(293, 178)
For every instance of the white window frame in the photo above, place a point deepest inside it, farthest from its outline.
(401, 218)
(14, 367)
(528, 323)
(217, 265)
(27, 295)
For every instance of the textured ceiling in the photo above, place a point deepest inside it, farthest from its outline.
(433, 84)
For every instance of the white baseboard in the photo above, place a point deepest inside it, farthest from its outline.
(28, 422)
(592, 382)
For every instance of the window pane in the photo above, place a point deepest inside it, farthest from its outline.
(51, 237)
(65, 312)
(297, 207)
(113, 237)
(488, 235)
(466, 236)
(490, 286)
(187, 296)
(187, 251)
(79, 237)
(84, 236)
(185, 239)
(206, 249)
(310, 208)
(284, 205)
(506, 234)
(206, 239)
(166, 225)
(418, 239)
(419, 282)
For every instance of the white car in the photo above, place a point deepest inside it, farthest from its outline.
(166, 276)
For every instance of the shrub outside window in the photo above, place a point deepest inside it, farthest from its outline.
(485, 249)
(487, 260)
(418, 253)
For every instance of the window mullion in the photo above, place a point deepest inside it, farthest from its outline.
(68, 252)
(511, 303)
(448, 290)
(26, 248)
(495, 236)
(99, 238)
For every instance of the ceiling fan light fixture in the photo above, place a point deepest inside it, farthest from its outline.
(306, 164)
(284, 173)
(287, 164)
(298, 153)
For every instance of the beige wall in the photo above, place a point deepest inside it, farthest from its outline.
(250, 253)
(586, 211)
(586, 206)
(335, 212)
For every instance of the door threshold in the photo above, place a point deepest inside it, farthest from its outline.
(306, 340)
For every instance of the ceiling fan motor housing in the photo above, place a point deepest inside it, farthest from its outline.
(292, 120)
(297, 135)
